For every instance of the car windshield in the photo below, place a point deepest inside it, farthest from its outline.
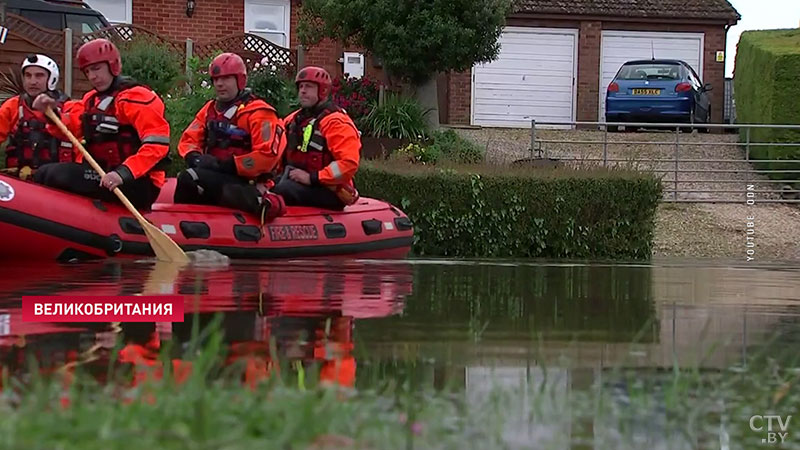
(650, 71)
(81, 23)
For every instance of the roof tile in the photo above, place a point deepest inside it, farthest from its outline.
(689, 9)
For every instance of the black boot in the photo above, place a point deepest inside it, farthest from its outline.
(244, 197)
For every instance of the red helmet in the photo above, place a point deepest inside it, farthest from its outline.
(100, 50)
(317, 75)
(229, 64)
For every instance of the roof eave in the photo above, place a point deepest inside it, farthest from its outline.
(606, 18)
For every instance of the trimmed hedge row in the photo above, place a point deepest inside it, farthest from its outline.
(767, 88)
(487, 211)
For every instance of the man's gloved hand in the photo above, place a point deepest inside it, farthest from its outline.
(208, 162)
(191, 159)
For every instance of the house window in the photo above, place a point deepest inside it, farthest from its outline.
(116, 11)
(268, 19)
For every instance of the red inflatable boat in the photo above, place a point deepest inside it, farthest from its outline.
(37, 222)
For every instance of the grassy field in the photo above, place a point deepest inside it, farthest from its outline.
(212, 409)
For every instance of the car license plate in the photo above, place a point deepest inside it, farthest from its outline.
(646, 91)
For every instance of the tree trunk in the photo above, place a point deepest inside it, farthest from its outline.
(427, 94)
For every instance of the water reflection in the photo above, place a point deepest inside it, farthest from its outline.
(466, 325)
(308, 310)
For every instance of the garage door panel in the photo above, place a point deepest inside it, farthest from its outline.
(531, 78)
(552, 102)
(619, 47)
(540, 49)
(541, 115)
(509, 80)
(523, 66)
(543, 95)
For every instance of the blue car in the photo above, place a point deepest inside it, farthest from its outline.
(657, 90)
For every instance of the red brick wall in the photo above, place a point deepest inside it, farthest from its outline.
(588, 71)
(326, 54)
(460, 89)
(589, 64)
(212, 19)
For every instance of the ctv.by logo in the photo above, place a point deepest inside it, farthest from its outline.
(757, 424)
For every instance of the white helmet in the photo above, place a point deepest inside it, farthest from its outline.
(45, 63)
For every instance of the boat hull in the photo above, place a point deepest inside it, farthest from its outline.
(40, 223)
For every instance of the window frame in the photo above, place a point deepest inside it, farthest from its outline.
(128, 13)
(286, 4)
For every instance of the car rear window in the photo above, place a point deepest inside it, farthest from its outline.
(650, 71)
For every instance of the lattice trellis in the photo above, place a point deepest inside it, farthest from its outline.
(124, 34)
(254, 50)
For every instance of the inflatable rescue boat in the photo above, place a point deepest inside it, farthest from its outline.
(38, 222)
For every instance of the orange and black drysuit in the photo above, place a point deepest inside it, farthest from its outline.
(125, 131)
(29, 143)
(228, 148)
(324, 142)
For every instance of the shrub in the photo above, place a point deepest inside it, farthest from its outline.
(154, 65)
(415, 153)
(356, 95)
(183, 104)
(767, 88)
(275, 89)
(452, 146)
(490, 212)
(444, 145)
(399, 117)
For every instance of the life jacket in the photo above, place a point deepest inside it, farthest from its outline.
(224, 139)
(306, 147)
(30, 144)
(109, 142)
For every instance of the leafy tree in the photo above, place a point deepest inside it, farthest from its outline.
(413, 39)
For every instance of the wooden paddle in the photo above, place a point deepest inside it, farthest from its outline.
(165, 248)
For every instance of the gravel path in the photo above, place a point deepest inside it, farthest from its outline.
(706, 230)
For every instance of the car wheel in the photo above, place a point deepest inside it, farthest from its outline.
(691, 121)
(708, 120)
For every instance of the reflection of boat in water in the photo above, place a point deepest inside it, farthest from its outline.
(308, 311)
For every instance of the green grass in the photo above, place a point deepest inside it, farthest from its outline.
(213, 410)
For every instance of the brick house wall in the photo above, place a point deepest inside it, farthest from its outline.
(212, 19)
(589, 44)
(215, 19)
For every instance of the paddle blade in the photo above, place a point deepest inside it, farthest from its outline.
(162, 278)
(165, 248)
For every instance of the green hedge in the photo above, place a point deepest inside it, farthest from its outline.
(767, 88)
(486, 211)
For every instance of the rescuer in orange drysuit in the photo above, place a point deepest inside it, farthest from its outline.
(234, 143)
(29, 144)
(125, 131)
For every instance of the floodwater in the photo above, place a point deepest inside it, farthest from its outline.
(468, 324)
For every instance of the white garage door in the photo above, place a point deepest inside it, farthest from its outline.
(619, 47)
(532, 78)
